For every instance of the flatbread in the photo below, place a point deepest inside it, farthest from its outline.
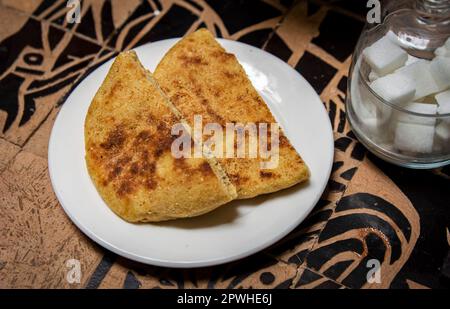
(128, 152)
(201, 78)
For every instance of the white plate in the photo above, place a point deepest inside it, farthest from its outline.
(229, 233)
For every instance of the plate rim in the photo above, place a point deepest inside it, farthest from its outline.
(198, 263)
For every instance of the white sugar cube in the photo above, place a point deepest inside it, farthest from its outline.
(362, 105)
(366, 112)
(384, 113)
(376, 129)
(370, 126)
(443, 132)
(415, 67)
(422, 108)
(370, 123)
(442, 141)
(440, 70)
(373, 76)
(420, 73)
(378, 133)
(363, 110)
(443, 100)
(447, 44)
(419, 108)
(442, 52)
(392, 37)
(412, 137)
(384, 56)
(395, 88)
(411, 60)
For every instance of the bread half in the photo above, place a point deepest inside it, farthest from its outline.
(201, 78)
(128, 152)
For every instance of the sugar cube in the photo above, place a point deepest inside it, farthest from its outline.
(383, 134)
(370, 123)
(420, 73)
(442, 52)
(420, 108)
(392, 37)
(373, 76)
(395, 88)
(363, 106)
(384, 113)
(442, 140)
(443, 132)
(411, 60)
(413, 137)
(447, 44)
(443, 100)
(363, 110)
(370, 126)
(384, 56)
(440, 70)
(375, 129)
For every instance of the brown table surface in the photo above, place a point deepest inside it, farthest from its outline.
(370, 209)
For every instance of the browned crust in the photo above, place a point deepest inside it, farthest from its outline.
(128, 151)
(201, 78)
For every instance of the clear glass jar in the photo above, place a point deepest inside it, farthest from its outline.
(397, 132)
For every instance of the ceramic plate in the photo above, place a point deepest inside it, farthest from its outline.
(232, 231)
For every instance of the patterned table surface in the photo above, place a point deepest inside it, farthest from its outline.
(370, 210)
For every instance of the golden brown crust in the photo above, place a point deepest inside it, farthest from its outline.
(201, 78)
(128, 152)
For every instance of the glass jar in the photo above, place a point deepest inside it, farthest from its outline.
(415, 133)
